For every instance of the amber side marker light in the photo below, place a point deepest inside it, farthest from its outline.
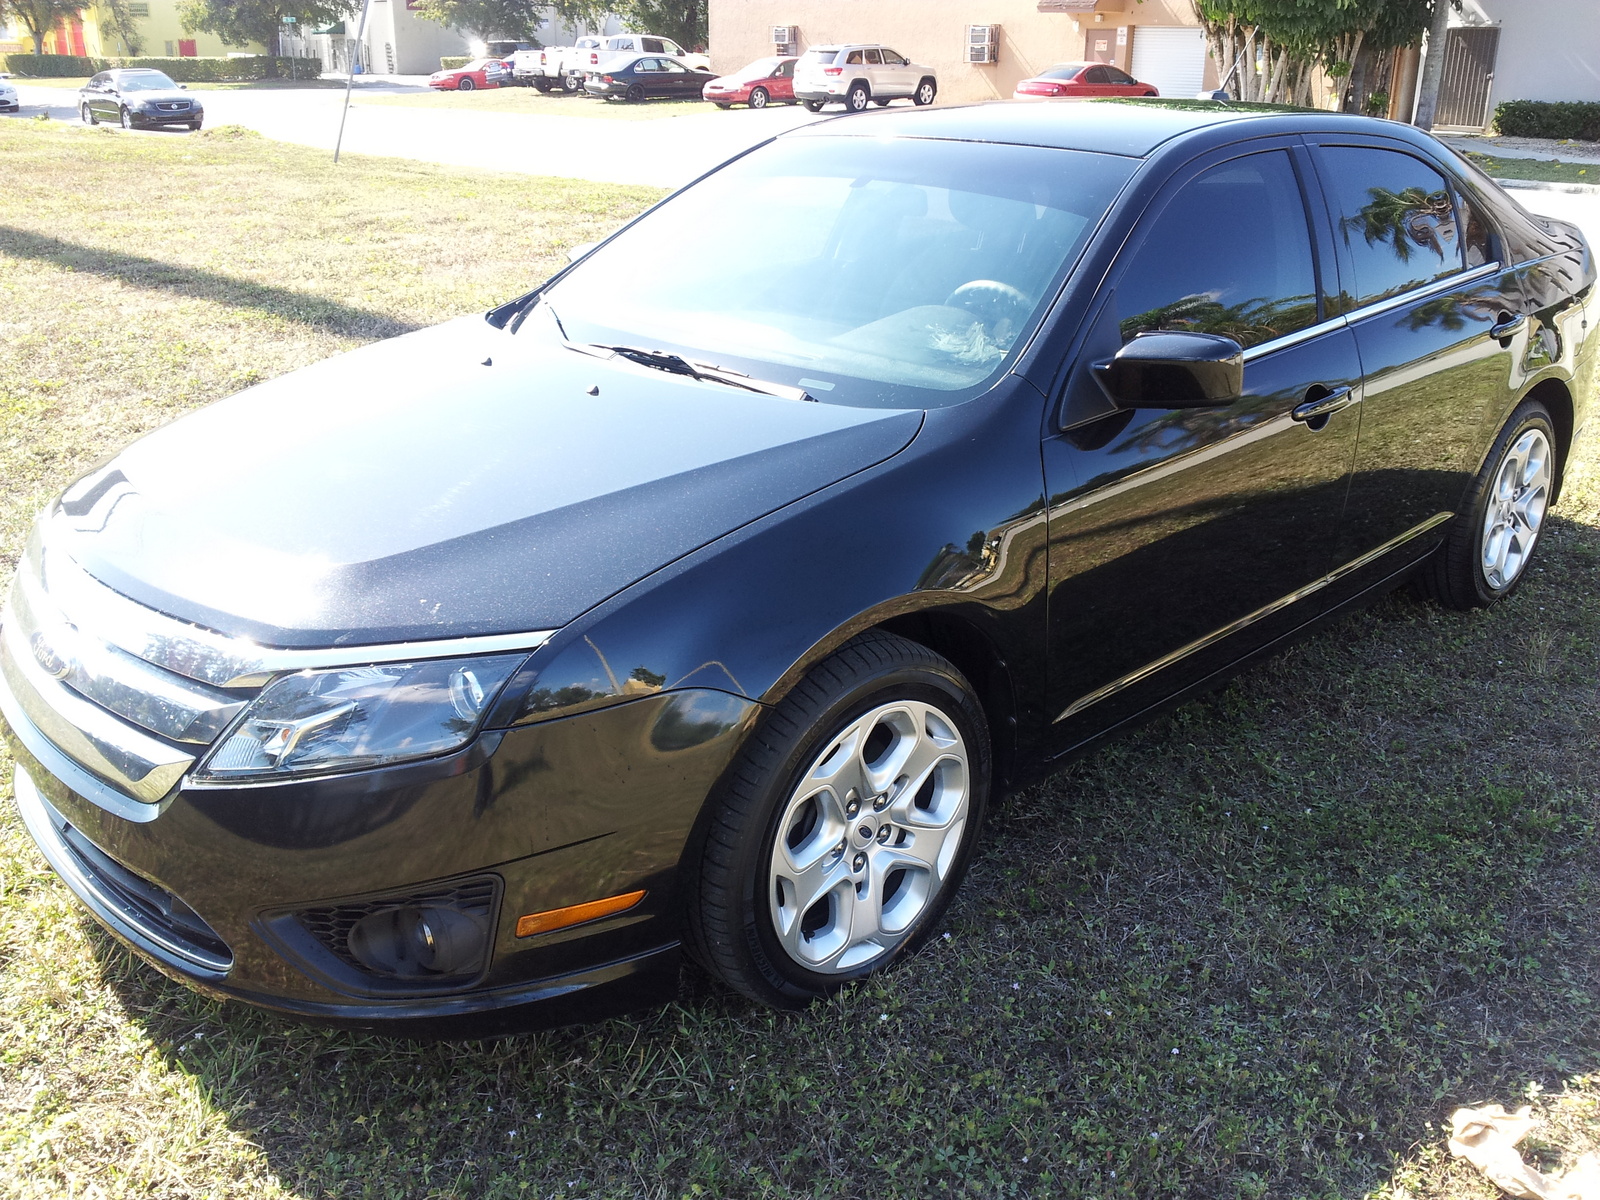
(577, 914)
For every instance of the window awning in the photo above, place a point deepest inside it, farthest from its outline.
(336, 28)
(1067, 6)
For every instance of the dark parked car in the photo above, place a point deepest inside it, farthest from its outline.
(716, 617)
(647, 77)
(138, 98)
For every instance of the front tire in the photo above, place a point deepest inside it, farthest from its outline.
(466, 85)
(127, 119)
(194, 126)
(759, 98)
(845, 826)
(1486, 553)
(87, 114)
(926, 91)
(857, 99)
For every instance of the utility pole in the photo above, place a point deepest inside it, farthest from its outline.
(1433, 65)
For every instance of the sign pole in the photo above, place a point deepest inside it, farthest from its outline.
(361, 33)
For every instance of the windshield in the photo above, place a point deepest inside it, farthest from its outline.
(893, 272)
(759, 69)
(155, 81)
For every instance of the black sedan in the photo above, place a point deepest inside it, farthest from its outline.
(718, 615)
(138, 99)
(646, 77)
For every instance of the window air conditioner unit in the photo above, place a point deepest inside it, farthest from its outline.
(785, 38)
(983, 43)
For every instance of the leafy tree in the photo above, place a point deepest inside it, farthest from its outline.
(581, 14)
(39, 17)
(684, 21)
(515, 20)
(240, 22)
(116, 19)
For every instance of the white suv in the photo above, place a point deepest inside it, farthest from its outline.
(860, 75)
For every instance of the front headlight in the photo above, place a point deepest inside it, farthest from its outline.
(353, 717)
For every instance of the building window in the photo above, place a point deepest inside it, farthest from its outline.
(139, 10)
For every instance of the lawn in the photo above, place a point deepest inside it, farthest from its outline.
(531, 100)
(1544, 170)
(1261, 947)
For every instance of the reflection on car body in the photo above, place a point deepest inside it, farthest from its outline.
(1041, 417)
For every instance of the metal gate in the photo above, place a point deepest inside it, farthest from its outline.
(1469, 54)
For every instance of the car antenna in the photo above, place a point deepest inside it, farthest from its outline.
(361, 33)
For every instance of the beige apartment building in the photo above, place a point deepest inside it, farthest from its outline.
(979, 48)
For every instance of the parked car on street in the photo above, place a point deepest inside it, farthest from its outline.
(646, 77)
(479, 73)
(555, 67)
(715, 613)
(138, 98)
(8, 97)
(859, 75)
(763, 82)
(1081, 80)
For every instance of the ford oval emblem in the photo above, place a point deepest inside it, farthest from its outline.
(50, 662)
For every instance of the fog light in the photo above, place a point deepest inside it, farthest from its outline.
(420, 943)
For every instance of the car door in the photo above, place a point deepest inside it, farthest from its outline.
(678, 80)
(1120, 84)
(898, 72)
(781, 85)
(1438, 336)
(106, 103)
(1181, 539)
(1097, 82)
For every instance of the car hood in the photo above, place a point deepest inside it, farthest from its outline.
(162, 96)
(451, 482)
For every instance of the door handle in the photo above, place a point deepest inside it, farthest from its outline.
(1320, 408)
(1506, 325)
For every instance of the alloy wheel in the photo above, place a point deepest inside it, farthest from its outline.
(1515, 511)
(869, 837)
(758, 98)
(127, 119)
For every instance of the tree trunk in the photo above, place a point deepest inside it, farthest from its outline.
(38, 43)
(1275, 87)
(1433, 65)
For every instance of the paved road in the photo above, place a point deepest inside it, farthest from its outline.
(664, 152)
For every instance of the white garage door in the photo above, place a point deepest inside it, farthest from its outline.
(1173, 60)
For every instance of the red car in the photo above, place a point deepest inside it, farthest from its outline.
(758, 85)
(1081, 80)
(479, 73)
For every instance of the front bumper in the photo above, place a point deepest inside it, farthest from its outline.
(186, 117)
(222, 887)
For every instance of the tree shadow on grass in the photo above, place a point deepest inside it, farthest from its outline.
(1259, 947)
(194, 282)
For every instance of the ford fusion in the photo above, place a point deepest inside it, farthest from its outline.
(467, 679)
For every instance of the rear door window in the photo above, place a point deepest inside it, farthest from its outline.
(1230, 253)
(874, 58)
(1394, 215)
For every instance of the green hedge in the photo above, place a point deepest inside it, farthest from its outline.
(1549, 119)
(451, 61)
(181, 70)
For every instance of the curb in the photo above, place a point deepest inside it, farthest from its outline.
(1542, 185)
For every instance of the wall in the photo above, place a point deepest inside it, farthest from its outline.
(1549, 49)
(399, 42)
(933, 32)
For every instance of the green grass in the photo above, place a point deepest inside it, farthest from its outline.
(1261, 947)
(1538, 169)
(533, 101)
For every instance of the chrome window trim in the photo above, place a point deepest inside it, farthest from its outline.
(1266, 610)
(1262, 349)
(1439, 286)
(210, 657)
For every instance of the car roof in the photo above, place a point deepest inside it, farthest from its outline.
(1134, 128)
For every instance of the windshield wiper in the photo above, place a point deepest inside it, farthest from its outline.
(677, 364)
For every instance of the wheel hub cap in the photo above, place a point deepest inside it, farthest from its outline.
(847, 887)
(1514, 515)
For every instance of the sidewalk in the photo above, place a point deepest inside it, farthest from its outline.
(1547, 149)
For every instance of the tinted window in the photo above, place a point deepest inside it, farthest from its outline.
(1116, 76)
(1229, 254)
(855, 58)
(1394, 214)
(1096, 75)
(653, 45)
(874, 57)
(1477, 239)
(1061, 73)
(892, 58)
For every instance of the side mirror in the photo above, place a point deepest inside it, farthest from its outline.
(183, 87)
(574, 253)
(1174, 370)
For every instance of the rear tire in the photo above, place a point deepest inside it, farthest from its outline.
(1488, 548)
(721, 105)
(901, 723)
(634, 94)
(466, 85)
(542, 84)
(812, 105)
(571, 83)
(759, 98)
(857, 98)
